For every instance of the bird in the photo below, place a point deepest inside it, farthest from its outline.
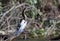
(21, 27)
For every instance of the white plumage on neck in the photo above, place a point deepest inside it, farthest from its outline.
(21, 28)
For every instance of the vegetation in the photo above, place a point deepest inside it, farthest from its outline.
(43, 17)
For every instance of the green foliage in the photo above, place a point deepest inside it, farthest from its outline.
(58, 25)
(46, 23)
(37, 33)
(0, 8)
(58, 28)
(55, 2)
(32, 13)
(0, 5)
(32, 2)
(41, 32)
(33, 34)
